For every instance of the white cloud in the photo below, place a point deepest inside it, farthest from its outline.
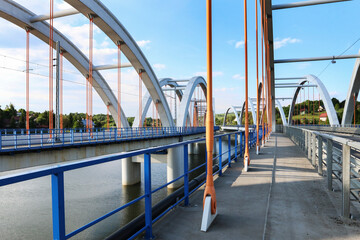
(204, 74)
(239, 44)
(143, 43)
(238, 77)
(159, 66)
(279, 43)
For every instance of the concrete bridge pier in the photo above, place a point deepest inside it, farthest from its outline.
(175, 166)
(130, 172)
(194, 148)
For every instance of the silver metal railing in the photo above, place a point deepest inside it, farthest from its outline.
(339, 157)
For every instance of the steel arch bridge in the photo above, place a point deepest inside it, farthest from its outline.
(111, 26)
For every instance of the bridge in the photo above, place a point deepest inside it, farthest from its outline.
(269, 170)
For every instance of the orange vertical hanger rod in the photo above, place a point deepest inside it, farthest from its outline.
(246, 154)
(27, 79)
(209, 188)
(257, 81)
(51, 67)
(61, 91)
(119, 86)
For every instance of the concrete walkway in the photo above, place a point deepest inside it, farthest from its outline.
(279, 198)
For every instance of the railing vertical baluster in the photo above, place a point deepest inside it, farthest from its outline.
(29, 139)
(309, 144)
(320, 155)
(72, 136)
(58, 205)
(313, 159)
(236, 146)
(148, 205)
(15, 139)
(241, 144)
(329, 161)
(345, 181)
(229, 148)
(116, 134)
(220, 156)
(0, 140)
(186, 174)
(42, 138)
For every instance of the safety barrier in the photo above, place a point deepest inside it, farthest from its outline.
(21, 139)
(57, 181)
(339, 156)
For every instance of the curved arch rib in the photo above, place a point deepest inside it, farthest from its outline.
(282, 114)
(20, 16)
(324, 95)
(353, 89)
(236, 115)
(112, 27)
(185, 102)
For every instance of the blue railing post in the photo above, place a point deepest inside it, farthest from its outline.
(116, 134)
(42, 138)
(148, 205)
(15, 139)
(236, 147)
(229, 148)
(186, 174)
(29, 139)
(72, 135)
(220, 156)
(58, 205)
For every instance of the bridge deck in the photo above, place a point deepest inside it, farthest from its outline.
(282, 198)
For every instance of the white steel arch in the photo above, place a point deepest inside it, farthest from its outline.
(147, 99)
(112, 27)
(353, 89)
(324, 95)
(233, 108)
(20, 16)
(185, 102)
(282, 114)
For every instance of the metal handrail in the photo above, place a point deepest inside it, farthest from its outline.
(57, 180)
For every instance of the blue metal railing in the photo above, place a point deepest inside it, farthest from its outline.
(57, 181)
(21, 139)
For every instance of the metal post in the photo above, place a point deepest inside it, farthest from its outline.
(58, 205)
(0, 141)
(241, 144)
(320, 155)
(236, 146)
(229, 151)
(148, 207)
(346, 181)
(306, 141)
(309, 144)
(186, 174)
(329, 160)
(220, 156)
(57, 79)
(313, 159)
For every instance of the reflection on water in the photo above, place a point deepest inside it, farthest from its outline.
(25, 208)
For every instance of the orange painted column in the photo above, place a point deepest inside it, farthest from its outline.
(209, 188)
(51, 67)
(246, 154)
(257, 82)
(27, 79)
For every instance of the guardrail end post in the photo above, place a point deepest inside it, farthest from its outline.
(329, 161)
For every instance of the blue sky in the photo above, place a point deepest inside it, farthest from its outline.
(172, 36)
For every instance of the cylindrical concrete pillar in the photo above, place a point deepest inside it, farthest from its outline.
(130, 172)
(175, 166)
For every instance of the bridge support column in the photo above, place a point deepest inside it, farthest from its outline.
(130, 172)
(194, 148)
(175, 166)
